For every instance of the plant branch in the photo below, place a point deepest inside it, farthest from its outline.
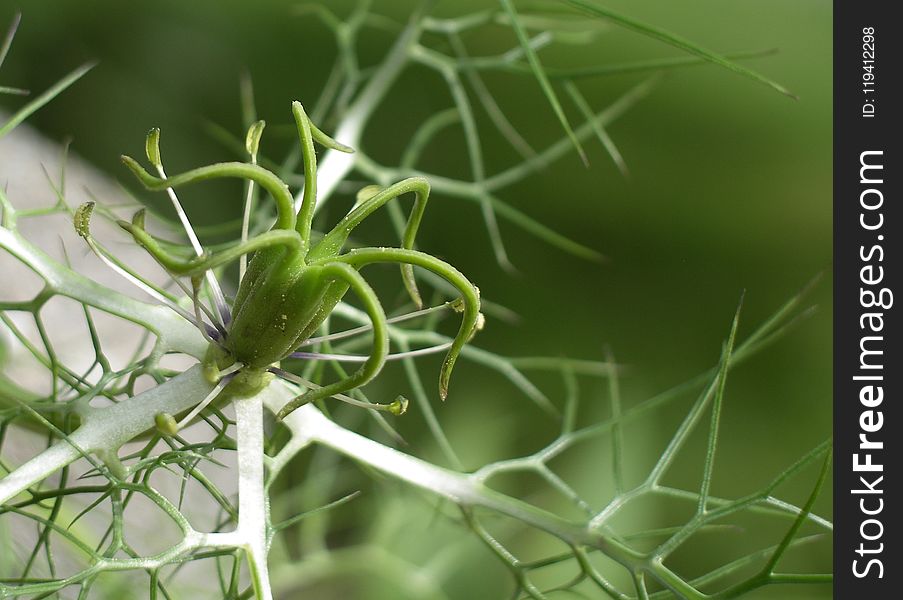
(253, 505)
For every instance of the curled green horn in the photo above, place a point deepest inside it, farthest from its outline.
(139, 218)
(316, 133)
(82, 219)
(365, 193)
(252, 140)
(152, 147)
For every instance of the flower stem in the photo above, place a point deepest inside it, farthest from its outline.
(253, 506)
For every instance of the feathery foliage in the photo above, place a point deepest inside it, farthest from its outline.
(109, 496)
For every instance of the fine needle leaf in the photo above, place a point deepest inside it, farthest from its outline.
(13, 91)
(598, 128)
(8, 40)
(301, 516)
(644, 66)
(671, 39)
(803, 515)
(33, 106)
(541, 77)
(716, 413)
(547, 234)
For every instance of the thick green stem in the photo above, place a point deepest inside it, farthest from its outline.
(174, 334)
(104, 430)
(253, 505)
(309, 424)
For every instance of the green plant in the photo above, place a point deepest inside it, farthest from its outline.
(292, 285)
(102, 419)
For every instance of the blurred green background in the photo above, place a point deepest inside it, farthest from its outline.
(729, 190)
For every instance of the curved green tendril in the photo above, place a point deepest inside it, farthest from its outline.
(196, 266)
(371, 368)
(308, 133)
(469, 294)
(285, 218)
(332, 242)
